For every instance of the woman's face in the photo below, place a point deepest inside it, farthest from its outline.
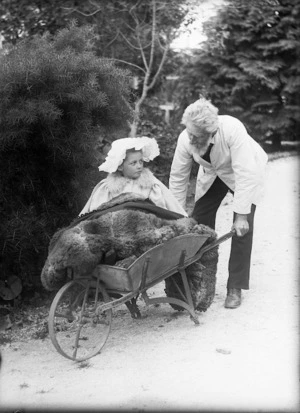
(133, 165)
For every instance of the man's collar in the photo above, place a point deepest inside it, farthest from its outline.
(212, 139)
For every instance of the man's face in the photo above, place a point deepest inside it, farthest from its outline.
(198, 137)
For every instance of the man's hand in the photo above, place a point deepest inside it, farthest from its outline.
(240, 225)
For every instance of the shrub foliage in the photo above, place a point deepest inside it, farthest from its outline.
(58, 104)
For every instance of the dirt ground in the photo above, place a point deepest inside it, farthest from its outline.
(236, 360)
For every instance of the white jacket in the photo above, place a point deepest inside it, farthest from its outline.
(147, 185)
(236, 158)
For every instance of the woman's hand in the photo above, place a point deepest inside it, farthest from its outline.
(240, 225)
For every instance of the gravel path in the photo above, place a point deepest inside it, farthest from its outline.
(236, 360)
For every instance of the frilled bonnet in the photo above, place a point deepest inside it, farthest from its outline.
(117, 153)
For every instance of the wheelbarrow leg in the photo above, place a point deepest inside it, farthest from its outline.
(131, 305)
(186, 302)
(188, 293)
(133, 308)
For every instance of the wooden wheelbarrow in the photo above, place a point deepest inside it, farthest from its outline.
(80, 316)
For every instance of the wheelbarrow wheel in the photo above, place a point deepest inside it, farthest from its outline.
(77, 326)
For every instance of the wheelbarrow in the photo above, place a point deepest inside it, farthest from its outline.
(81, 313)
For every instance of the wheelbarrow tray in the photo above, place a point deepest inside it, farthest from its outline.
(154, 265)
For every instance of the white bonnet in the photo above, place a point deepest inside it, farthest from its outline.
(117, 153)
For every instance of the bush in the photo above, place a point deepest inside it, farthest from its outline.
(58, 104)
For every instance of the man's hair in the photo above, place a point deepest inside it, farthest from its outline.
(203, 114)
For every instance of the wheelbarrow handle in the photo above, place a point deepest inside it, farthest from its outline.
(218, 241)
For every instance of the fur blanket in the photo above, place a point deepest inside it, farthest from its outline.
(117, 236)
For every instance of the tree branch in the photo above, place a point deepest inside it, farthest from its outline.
(163, 59)
(153, 35)
(109, 43)
(142, 52)
(127, 63)
(72, 10)
(128, 42)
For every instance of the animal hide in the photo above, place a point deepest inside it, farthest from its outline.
(121, 235)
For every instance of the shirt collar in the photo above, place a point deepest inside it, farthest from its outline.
(213, 138)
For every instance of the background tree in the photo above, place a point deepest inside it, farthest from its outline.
(58, 102)
(250, 66)
(24, 18)
(136, 33)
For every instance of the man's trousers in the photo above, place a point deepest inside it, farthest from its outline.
(205, 211)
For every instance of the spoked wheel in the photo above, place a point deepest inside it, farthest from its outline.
(77, 326)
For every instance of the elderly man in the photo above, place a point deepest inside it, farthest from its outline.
(229, 160)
